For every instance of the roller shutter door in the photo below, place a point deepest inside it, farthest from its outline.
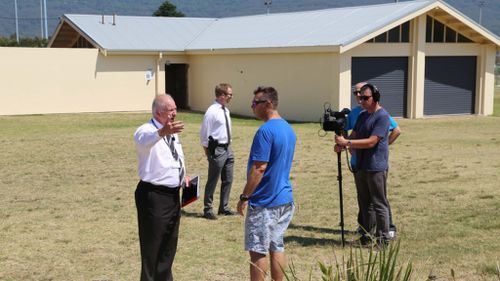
(390, 75)
(450, 85)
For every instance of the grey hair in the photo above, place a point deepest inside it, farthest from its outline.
(159, 103)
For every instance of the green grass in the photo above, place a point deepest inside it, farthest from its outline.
(67, 208)
(496, 108)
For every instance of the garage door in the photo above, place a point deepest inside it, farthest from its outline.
(390, 75)
(450, 85)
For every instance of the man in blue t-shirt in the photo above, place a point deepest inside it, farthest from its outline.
(370, 140)
(394, 132)
(268, 191)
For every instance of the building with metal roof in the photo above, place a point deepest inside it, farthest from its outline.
(419, 54)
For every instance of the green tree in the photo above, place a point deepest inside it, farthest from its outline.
(36, 42)
(167, 9)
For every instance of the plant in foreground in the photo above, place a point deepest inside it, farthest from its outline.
(377, 264)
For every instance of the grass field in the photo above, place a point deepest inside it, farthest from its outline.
(67, 210)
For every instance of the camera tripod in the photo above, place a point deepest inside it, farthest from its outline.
(339, 179)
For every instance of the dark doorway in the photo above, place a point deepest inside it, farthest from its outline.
(450, 85)
(176, 83)
(389, 74)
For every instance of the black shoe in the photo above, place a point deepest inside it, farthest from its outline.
(365, 241)
(227, 213)
(209, 216)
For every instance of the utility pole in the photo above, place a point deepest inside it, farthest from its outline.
(481, 4)
(45, 16)
(268, 4)
(17, 21)
(41, 19)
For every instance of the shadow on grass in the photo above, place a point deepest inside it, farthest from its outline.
(191, 214)
(312, 241)
(319, 229)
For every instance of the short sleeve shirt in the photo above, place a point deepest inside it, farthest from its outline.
(274, 143)
(373, 124)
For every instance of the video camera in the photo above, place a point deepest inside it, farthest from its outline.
(334, 121)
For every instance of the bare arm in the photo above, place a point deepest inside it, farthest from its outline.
(254, 177)
(394, 134)
(358, 143)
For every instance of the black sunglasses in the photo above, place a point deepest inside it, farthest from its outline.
(365, 98)
(356, 92)
(256, 102)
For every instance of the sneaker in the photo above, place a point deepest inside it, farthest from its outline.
(209, 216)
(226, 213)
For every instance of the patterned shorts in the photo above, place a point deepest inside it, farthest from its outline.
(265, 228)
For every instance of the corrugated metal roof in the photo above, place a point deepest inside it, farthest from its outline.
(132, 33)
(330, 27)
(321, 28)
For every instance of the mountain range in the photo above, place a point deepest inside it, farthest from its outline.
(29, 11)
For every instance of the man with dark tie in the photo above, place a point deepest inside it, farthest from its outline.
(162, 173)
(215, 137)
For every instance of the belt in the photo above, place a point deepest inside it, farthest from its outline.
(225, 145)
(159, 188)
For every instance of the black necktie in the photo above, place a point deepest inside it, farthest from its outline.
(228, 131)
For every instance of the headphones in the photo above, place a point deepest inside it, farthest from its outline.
(374, 90)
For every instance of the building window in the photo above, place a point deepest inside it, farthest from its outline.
(451, 35)
(399, 34)
(437, 32)
(82, 43)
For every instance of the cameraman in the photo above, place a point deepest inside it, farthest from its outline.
(370, 140)
(394, 132)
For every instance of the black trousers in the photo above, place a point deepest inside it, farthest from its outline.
(158, 215)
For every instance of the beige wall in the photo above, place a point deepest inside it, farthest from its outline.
(37, 81)
(40, 80)
(304, 81)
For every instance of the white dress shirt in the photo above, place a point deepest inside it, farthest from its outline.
(214, 124)
(156, 162)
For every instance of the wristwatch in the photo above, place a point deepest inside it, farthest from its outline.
(349, 143)
(243, 197)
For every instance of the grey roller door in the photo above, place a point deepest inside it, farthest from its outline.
(390, 75)
(450, 85)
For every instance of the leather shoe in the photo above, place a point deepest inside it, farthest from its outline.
(209, 216)
(227, 213)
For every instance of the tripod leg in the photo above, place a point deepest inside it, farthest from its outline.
(339, 178)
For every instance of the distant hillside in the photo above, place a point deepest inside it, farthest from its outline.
(29, 10)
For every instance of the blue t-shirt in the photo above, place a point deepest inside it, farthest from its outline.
(351, 122)
(352, 117)
(373, 124)
(273, 143)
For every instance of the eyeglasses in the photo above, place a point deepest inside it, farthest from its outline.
(228, 95)
(356, 92)
(365, 98)
(256, 102)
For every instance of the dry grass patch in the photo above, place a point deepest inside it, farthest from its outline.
(67, 209)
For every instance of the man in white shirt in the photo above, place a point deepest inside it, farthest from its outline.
(215, 137)
(162, 173)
